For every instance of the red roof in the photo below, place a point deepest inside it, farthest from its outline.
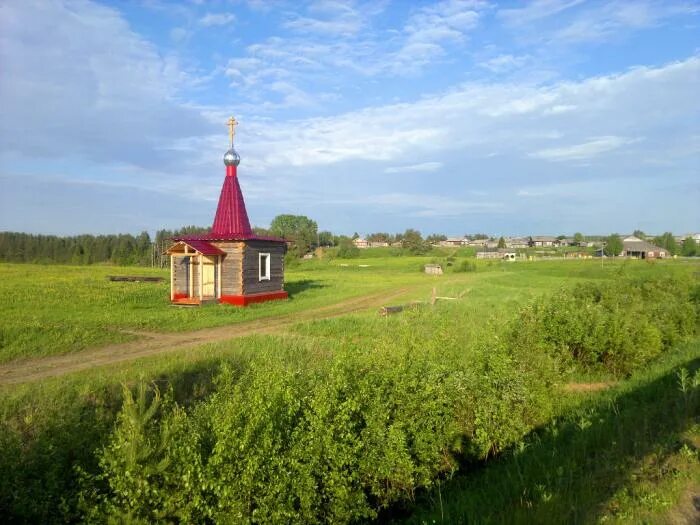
(231, 216)
(232, 237)
(203, 247)
(231, 221)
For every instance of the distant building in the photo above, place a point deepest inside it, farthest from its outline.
(517, 242)
(636, 247)
(477, 242)
(360, 242)
(364, 243)
(433, 269)
(230, 264)
(543, 241)
(454, 241)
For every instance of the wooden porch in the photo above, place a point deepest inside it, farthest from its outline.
(195, 273)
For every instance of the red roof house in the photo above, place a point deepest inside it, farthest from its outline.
(230, 264)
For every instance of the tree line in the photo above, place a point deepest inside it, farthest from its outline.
(121, 249)
(301, 231)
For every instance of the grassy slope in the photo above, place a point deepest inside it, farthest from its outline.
(66, 419)
(625, 455)
(57, 309)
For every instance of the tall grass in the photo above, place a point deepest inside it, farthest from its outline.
(351, 416)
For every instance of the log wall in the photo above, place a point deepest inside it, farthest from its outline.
(251, 267)
(231, 267)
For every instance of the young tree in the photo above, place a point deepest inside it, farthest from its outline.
(347, 248)
(668, 242)
(578, 238)
(325, 238)
(379, 237)
(263, 232)
(501, 242)
(613, 245)
(689, 248)
(296, 228)
(414, 243)
(435, 238)
(639, 234)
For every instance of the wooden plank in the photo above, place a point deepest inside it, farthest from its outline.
(135, 278)
(390, 310)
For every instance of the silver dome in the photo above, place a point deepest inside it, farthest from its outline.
(232, 158)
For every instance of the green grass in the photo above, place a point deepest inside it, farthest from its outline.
(620, 456)
(57, 309)
(639, 428)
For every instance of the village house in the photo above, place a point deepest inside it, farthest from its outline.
(454, 241)
(360, 242)
(543, 241)
(230, 264)
(636, 247)
(477, 242)
(517, 242)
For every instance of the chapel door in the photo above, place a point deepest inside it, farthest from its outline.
(208, 277)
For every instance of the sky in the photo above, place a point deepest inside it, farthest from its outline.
(509, 118)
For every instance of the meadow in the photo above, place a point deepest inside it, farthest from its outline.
(460, 411)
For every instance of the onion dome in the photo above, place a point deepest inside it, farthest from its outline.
(232, 158)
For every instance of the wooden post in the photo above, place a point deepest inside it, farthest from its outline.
(218, 276)
(172, 278)
(190, 291)
(201, 275)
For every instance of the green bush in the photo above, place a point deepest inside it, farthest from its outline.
(464, 266)
(317, 440)
(348, 250)
(616, 326)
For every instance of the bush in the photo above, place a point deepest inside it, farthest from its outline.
(348, 250)
(465, 266)
(616, 326)
(317, 440)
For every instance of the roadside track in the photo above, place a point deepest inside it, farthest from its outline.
(155, 343)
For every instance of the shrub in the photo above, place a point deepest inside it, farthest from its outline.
(348, 250)
(317, 440)
(465, 266)
(618, 326)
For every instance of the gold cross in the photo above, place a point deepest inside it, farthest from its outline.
(232, 123)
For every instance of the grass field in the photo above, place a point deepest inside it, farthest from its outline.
(645, 427)
(49, 310)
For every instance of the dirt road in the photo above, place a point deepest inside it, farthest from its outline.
(152, 343)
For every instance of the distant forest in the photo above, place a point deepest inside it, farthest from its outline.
(122, 249)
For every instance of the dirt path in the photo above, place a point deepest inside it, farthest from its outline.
(588, 387)
(154, 343)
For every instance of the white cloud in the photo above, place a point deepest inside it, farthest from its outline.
(66, 92)
(216, 19)
(423, 166)
(536, 10)
(504, 63)
(429, 29)
(334, 39)
(423, 205)
(592, 23)
(497, 119)
(329, 18)
(583, 151)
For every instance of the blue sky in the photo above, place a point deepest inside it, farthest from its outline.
(543, 117)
